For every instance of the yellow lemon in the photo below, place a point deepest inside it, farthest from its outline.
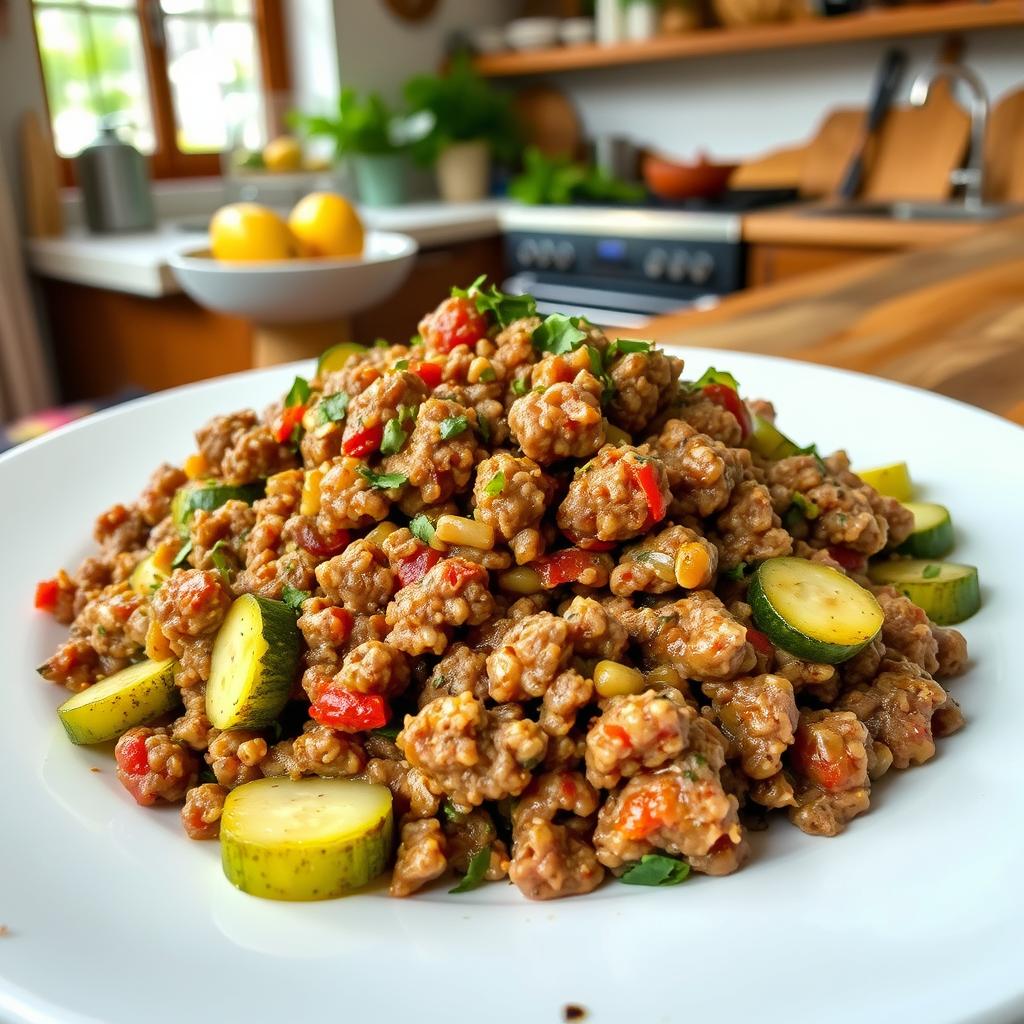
(282, 154)
(326, 224)
(248, 231)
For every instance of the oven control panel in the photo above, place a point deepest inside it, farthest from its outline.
(672, 268)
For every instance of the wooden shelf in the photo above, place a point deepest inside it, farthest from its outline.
(920, 19)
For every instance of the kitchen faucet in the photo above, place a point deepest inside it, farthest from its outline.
(971, 176)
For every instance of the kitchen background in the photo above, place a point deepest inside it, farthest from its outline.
(731, 105)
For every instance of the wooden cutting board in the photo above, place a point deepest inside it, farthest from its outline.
(1004, 150)
(918, 148)
(39, 178)
(830, 152)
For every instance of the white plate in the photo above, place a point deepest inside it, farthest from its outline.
(914, 915)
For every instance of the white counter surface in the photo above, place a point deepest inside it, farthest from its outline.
(137, 263)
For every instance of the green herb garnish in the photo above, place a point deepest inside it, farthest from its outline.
(452, 426)
(808, 509)
(623, 346)
(402, 364)
(483, 428)
(299, 393)
(558, 334)
(495, 485)
(520, 386)
(220, 563)
(382, 481)
(487, 375)
(713, 376)
(454, 816)
(183, 552)
(656, 869)
(422, 529)
(929, 572)
(387, 732)
(293, 597)
(478, 865)
(504, 308)
(333, 408)
(393, 439)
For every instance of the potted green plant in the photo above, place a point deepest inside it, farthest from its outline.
(467, 122)
(368, 134)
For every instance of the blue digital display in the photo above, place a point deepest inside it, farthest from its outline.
(611, 250)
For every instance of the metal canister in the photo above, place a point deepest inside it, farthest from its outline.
(115, 185)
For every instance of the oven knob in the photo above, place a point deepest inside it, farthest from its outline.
(526, 252)
(565, 255)
(678, 265)
(702, 266)
(654, 263)
(545, 254)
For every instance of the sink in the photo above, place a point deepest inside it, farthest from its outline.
(906, 210)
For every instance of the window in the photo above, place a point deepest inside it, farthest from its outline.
(183, 80)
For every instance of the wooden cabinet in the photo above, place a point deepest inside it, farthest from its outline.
(107, 341)
(767, 264)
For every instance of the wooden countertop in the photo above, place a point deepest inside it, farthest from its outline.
(949, 319)
(792, 225)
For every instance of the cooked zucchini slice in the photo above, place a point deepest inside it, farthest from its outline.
(207, 495)
(933, 532)
(134, 696)
(337, 356)
(255, 655)
(892, 480)
(812, 610)
(947, 592)
(305, 839)
(152, 570)
(769, 442)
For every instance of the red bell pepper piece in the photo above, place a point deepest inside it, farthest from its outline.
(47, 592)
(723, 395)
(759, 641)
(588, 543)
(364, 442)
(811, 759)
(455, 322)
(429, 373)
(646, 478)
(349, 710)
(413, 568)
(131, 755)
(309, 537)
(565, 566)
(645, 812)
(287, 420)
(457, 571)
(851, 560)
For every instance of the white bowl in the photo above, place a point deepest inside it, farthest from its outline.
(297, 291)
(532, 33)
(576, 31)
(489, 39)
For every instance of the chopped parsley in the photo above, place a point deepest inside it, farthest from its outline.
(656, 869)
(558, 334)
(422, 529)
(299, 393)
(394, 437)
(598, 370)
(220, 563)
(452, 426)
(333, 408)
(623, 346)
(713, 376)
(382, 481)
(381, 343)
(415, 340)
(487, 375)
(183, 552)
(520, 385)
(483, 428)
(293, 597)
(504, 308)
(929, 572)
(495, 485)
(451, 814)
(402, 364)
(478, 865)
(808, 509)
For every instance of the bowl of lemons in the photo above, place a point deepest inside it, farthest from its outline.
(314, 265)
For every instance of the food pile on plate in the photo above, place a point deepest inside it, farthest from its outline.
(517, 600)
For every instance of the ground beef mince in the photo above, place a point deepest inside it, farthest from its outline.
(524, 550)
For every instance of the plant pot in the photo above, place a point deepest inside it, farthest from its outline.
(641, 20)
(463, 171)
(380, 178)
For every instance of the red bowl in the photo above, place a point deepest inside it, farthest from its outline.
(669, 179)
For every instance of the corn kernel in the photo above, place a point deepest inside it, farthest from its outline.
(480, 369)
(196, 467)
(311, 419)
(309, 504)
(521, 580)
(467, 532)
(693, 566)
(665, 675)
(380, 531)
(158, 647)
(613, 679)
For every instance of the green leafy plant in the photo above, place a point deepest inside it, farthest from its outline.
(559, 180)
(461, 107)
(363, 124)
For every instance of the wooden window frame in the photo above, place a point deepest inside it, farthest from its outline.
(167, 161)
